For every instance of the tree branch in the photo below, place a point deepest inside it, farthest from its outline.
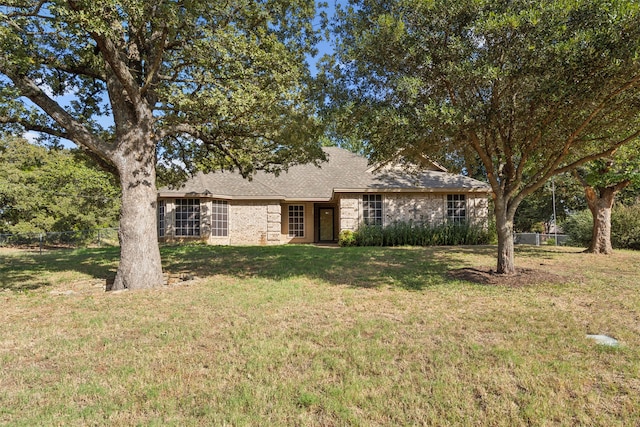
(579, 177)
(30, 126)
(621, 185)
(596, 156)
(119, 67)
(486, 160)
(603, 104)
(157, 60)
(75, 131)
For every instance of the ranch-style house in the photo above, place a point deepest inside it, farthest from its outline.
(311, 204)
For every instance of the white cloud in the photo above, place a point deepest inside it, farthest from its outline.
(30, 136)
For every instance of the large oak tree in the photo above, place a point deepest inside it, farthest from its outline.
(602, 180)
(529, 89)
(189, 84)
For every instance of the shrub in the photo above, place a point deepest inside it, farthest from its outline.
(347, 238)
(370, 235)
(538, 227)
(412, 234)
(578, 227)
(625, 227)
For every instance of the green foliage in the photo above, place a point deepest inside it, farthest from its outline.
(346, 238)
(370, 235)
(578, 227)
(212, 84)
(619, 170)
(44, 190)
(625, 227)
(536, 210)
(476, 74)
(414, 234)
(190, 85)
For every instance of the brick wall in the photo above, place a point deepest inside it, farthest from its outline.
(418, 207)
(266, 222)
(254, 223)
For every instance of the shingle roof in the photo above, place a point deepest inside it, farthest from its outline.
(343, 172)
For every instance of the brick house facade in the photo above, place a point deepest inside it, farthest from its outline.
(311, 204)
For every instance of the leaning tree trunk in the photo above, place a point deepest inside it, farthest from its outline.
(504, 228)
(140, 265)
(600, 206)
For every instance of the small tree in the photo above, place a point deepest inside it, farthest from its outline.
(520, 86)
(199, 84)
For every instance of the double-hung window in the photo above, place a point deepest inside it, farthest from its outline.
(220, 218)
(296, 220)
(187, 217)
(372, 209)
(162, 211)
(456, 207)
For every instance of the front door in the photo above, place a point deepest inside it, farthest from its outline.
(326, 224)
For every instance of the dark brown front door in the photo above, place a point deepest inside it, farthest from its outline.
(326, 224)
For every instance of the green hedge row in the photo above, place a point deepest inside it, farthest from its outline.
(412, 234)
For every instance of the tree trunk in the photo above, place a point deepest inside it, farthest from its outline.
(600, 205)
(504, 228)
(140, 265)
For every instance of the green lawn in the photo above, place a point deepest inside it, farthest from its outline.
(304, 335)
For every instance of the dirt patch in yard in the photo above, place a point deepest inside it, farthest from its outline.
(523, 277)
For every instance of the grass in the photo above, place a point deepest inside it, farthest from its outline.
(303, 335)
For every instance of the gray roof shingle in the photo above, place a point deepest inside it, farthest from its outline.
(344, 172)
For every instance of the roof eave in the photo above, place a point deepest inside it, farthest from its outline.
(414, 190)
(307, 199)
(217, 196)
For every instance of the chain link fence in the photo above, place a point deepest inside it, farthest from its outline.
(538, 239)
(66, 239)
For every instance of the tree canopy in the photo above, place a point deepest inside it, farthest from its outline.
(225, 80)
(190, 84)
(526, 89)
(45, 190)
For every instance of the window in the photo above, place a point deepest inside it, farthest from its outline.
(187, 217)
(162, 210)
(372, 209)
(456, 207)
(220, 218)
(296, 221)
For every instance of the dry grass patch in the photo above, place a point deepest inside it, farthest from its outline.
(310, 336)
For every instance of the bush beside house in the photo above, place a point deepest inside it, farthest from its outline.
(415, 234)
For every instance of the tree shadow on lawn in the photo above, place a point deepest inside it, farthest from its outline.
(522, 251)
(367, 267)
(26, 271)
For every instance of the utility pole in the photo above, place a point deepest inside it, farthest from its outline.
(555, 222)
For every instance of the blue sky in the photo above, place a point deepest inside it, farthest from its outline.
(325, 46)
